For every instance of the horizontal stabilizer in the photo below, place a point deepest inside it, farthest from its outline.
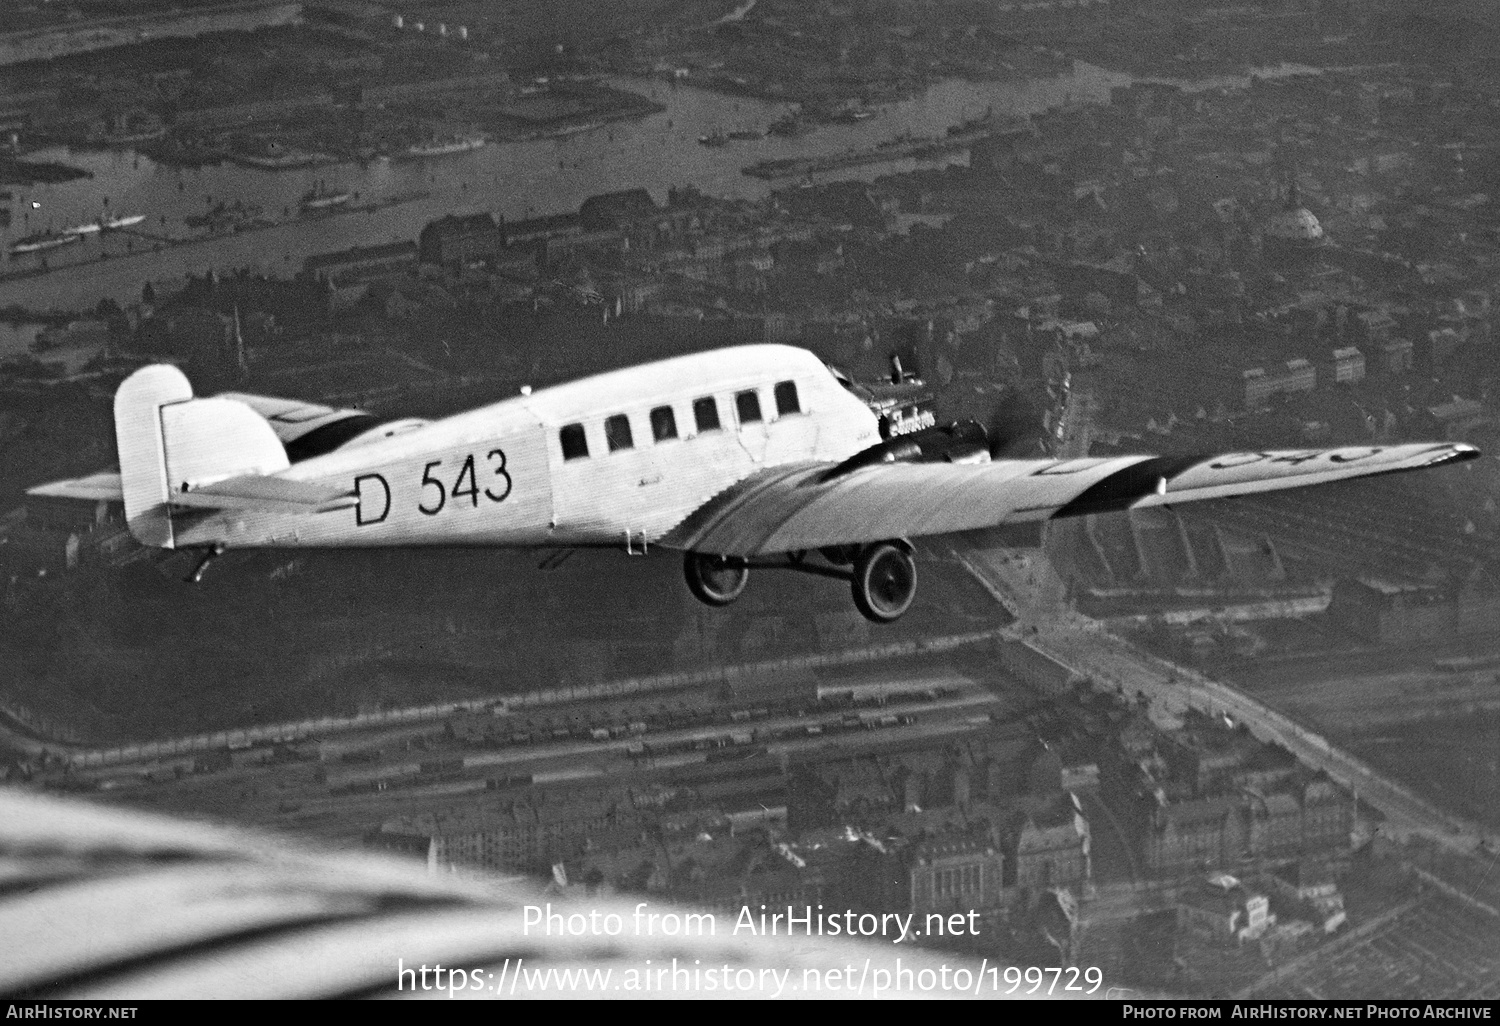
(269, 494)
(250, 491)
(103, 486)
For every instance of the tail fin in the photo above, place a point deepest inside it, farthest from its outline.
(170, 442)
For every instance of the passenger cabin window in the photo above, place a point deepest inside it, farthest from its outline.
(747, 405)
(617, 433)
(575, 445)
(786, 398)
(663, 424)
(706, 413)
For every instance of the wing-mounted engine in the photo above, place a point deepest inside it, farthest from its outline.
(900, 405)
(963, 441)
(909, 428)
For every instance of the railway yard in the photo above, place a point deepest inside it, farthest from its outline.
(339, 788)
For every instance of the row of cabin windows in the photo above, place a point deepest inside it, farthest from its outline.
(617, 434)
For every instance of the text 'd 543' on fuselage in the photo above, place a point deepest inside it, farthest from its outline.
(739, 458)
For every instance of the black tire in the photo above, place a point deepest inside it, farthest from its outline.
(885, 581)
(714, 580)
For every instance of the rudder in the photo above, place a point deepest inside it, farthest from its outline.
(142, 450)
(169, 441)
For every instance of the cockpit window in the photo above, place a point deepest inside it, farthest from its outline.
(575, 444)
(786, 398)
(861, 391)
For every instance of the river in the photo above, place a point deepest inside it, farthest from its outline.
(513, 180)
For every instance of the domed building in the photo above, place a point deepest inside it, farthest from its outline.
(1296, 227)
(1293, 232)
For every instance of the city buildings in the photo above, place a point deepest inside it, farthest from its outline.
(1301, 262)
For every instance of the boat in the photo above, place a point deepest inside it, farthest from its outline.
(900, 148)
(569, 128)
(788, 126)
(223, 215)
(442, 147)
(280, 161)
(988, 123)
(320, 197)
(42, 240)
(904, 146)
(851, 115)
(717, 138)
(126, 221)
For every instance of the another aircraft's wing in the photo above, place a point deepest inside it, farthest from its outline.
(104, 485)
(813, 505)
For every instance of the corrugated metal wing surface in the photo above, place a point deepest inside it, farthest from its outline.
(787, 509)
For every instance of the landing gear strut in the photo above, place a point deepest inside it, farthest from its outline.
(715, 580)
(883, 578)
(213, 553)
(840, 555)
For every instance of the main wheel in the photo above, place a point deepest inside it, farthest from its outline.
(885, 581)
(714, 580)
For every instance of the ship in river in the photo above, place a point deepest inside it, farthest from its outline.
(108, 224)
(321, 197)
(223, 216)
(42, 240)
(789, 126)
(958, 137)
(445, 146)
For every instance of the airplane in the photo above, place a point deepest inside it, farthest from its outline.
(740, 459)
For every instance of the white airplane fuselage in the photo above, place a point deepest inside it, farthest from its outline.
(499, 475)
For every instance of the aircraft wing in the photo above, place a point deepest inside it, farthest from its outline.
(104, 485)
(812, 505)
(109, 904)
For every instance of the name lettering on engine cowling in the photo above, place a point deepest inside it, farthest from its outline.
(907, 420)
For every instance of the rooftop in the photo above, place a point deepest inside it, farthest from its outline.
(1298, 226)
